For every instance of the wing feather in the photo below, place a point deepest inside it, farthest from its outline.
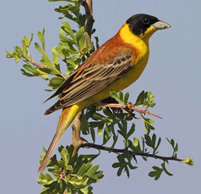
(92, 79)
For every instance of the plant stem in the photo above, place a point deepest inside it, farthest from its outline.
(76, 141)
(115, 150)
(88, 5)
(127, 107)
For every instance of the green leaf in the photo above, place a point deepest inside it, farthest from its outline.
(120, 171)
(74, 8)
(136, 142)
(55, 82)
(90, 157)
(115, 138)
(84, 125)
(100, 128)
(147, 124)
(135, 145)
(47, 63)
(82, 43)
(156, 173)
(84, 168)
(24, 49)
(38, 47)
(80, 33)
(116, 165)
(165, 170)
(89, 45)
(45, 179)
(141, 98)
(9, 54)
(47, 71)
(157, 146)
(34, 71)
(121, 96)
(126, 97)
(93, 136)
(67, 28)
(92, 171)
(107, 134)
(174, 145)
(31, 69)
(18, 51)
(151, 142)
(26, 73)
(127, 171)
(65, 155)
(55, 58)
(97, 116)
(150, 102)
(116, 97)
(131, 131)
(42, 39)
(97, 42)
(26, 41)
(123, 129)
(65, 39)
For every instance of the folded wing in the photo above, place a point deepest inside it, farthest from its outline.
(92, 77)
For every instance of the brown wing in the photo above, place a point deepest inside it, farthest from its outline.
(96, 74)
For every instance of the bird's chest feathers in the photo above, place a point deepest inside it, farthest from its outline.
(140, 46)
(140, 51)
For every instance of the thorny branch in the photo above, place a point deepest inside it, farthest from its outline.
(76, 141)
(88, 5)
(128, 107)
(30, 60)
(114, 150)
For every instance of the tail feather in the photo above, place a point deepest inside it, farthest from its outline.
(50, 151)
(65, 120)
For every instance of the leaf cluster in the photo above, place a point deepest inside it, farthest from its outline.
(71, 173)
(73, 48)
(117, 124)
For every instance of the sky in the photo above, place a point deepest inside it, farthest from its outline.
(172, 74)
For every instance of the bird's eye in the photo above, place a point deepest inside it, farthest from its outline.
(145, 21)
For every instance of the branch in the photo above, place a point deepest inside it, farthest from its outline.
(128, 107)
(116, 151)
(30, 60)
(76, 141)
(88, 5)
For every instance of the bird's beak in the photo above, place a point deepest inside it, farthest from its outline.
(160, 25)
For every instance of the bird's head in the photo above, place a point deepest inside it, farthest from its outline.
(144, 25)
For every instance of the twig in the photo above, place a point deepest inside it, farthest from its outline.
(30, 60)
(35, 63)
(88, 5)
(129, 106)
(114, 150)
(76, 141)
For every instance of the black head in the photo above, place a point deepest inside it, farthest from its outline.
(139, 23)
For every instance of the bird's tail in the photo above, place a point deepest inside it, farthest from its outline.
(66, 118)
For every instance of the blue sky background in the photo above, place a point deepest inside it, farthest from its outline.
(172, 74)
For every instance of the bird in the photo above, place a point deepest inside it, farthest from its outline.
(114, 66)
